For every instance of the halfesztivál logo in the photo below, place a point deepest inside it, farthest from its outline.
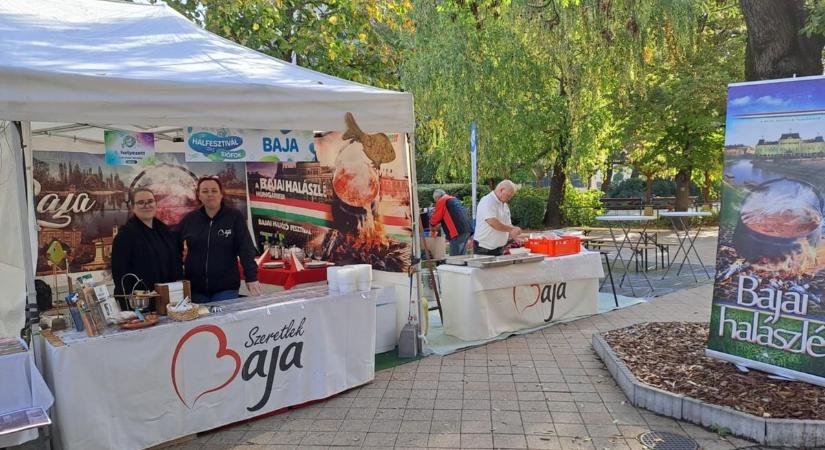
(217, 147)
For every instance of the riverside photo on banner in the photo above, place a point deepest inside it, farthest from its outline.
(345, 206)
(80, 201)
(768, 301)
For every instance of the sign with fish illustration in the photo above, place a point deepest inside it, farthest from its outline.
(228, 144)
(350, 205)
(768, 308)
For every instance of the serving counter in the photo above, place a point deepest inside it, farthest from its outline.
(135, 389)
(484, 303)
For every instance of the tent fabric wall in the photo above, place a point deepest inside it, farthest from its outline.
(114, 62)
(12, 259)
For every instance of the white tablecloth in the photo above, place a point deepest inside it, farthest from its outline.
(483, 303)
(136, 389)
(21, 386)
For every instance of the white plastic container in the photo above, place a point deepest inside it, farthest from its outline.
(347, 279)
(332, 277)
(363, 276)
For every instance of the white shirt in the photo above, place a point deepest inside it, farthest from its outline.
(491, 207)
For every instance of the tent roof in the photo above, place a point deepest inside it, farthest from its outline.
(95, 61)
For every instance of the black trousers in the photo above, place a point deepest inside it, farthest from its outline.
(478, 250)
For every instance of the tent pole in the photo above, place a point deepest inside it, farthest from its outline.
(416, 234)
(24, 199)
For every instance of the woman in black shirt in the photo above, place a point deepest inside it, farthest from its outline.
(145, 247)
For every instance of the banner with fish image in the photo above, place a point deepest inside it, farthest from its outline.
(230, 144)
(351, 205)
(80, 201)
(768, 309)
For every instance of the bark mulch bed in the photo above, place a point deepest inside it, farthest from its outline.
(671, 357)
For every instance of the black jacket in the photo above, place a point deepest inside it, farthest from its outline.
(150, 253)
(213, 248)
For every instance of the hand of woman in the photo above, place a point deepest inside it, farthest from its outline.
(254, 288)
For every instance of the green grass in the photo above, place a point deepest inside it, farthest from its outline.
(390, 359)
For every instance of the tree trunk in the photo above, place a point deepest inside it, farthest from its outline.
(683, 189)
(608, 175)
(776, 48)
(553, 216)
(706, 186)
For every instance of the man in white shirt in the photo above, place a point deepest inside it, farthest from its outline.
(493, 224)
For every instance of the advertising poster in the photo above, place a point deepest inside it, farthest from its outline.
(128, 148)
(768, 311)
(229, 144)
(80, 201)
(346, 207)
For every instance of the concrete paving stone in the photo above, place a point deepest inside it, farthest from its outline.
(567, 417)
(477, 386)
(476, 426)
(326, 425)
(602, 430)
(581, 387)
(475, 369)
(355, 425)
(529, 387)
(296, 425)
(447, 403)
(397, 393)
(360, 413)
(415, 426)
(429, 392)
(506, 440)
(714, 444)
(476, 414)
(426, 376)
(559, 397)
(446, 394)
(535, 416)
(371, 393)
(503, 395)
(444, 415)
(502, 386)
(576, 443)
(507, 427)
(504, 405)
(562, 406)
(540, 406)
(477, 395)
(288, 437)
(258, 437)
(591, 407)
(476, 440)
(349, 438)
(318, 438)
(628, 418)
(385, 440)
(418, 414)
(392, 403)
(475, 377)
(364, 402)
(542, 428)
(451, 377)
(384, 413)
(421, 403)
(583, 397)
(531, 395)
(598, 418)
(570, 429)
(334, 413)
(476, 404)
(555, 387)
(612, 443)
(450, 386)
(385, 426)
(444, 440)
(400, 385)
(452, 426)
(411, 440)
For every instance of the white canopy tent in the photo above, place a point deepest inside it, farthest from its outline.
(87, 65)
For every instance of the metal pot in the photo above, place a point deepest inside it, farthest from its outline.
(777, 218)
(136, 302)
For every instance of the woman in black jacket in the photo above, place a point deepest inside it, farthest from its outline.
(145, 247)
(215, 236)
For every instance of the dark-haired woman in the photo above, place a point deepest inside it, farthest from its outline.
(216, 236)
(145, 247)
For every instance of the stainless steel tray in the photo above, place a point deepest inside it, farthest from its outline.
(491, 263)
(529, 259)
(463, 260)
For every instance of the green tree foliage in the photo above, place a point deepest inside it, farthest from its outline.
(359, 40)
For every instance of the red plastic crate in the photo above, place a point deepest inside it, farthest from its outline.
(564, 245)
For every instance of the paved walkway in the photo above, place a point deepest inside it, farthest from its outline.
(545, 390)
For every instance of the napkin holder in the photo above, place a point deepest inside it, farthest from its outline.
(162, 301)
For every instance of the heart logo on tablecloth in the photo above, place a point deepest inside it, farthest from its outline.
(527, 294)
(223, 351)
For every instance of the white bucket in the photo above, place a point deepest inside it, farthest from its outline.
(363, 273)
(332, 277)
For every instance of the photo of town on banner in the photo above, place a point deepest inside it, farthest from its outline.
(344, 207)
(81, 202)
(769, 297)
